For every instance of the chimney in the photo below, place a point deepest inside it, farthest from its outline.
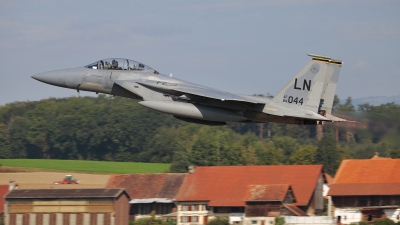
(12, 185)
(191, 169)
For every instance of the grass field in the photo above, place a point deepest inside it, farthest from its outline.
(87, 166)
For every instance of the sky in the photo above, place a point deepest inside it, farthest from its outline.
(244, 47)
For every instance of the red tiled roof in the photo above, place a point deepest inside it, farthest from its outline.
(266, 192)
(376, 176)
(3, 192)
(295, 210)
(328, 178)
(65, 193)
(364, 189)
(226, 185)
(139, 186)
(382, 171)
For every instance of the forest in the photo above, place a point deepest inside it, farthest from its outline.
(110, 128)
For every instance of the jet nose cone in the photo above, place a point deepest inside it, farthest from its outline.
(53, 77)
(37, 77)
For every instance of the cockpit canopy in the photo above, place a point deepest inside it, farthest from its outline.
(119, 64)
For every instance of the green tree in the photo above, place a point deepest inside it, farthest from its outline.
(347, 106)
(395, 153)
(336, 101)
(213, 146)
(327, 153)
(303, 156)
(279, 221)
(4, 144)
(343, 153)
(367, 151)
(287, 145)
(235, 154)
(163, 145)
(17, 129)
(268, 154)
(180, 161)
(299, 132)
(384, 221)
(219, 221)
(205, 151)
(152, 220)
(119, 129)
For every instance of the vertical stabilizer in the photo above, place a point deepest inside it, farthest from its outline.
(313, 88)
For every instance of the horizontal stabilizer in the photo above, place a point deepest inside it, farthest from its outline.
(334, 118)
(338, 119)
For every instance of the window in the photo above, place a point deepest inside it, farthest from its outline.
(254, 222)
(119, 64)
(185, 219)
(237, 209)
(222, 209)
(195, 219)
(195, 207)
(185, 208)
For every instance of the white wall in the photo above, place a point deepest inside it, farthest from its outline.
(258, 220)
(392, 214)
(355, 215)
(235, 217)
(200, 213)
(325, 190)
(348, 215)
(304, 220)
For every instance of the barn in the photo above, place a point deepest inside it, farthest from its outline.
(67, 206)
(366, 189)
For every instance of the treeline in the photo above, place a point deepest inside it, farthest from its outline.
(119, 129)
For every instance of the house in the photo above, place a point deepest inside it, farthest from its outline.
(250, 194)
(149, 192)
(67, 206)
(267, 200)
(366, 189)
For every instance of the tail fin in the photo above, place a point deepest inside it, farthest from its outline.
(313, 88)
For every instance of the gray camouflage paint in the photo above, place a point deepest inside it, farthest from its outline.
(306, 99)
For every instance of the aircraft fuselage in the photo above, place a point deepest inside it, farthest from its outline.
(299, 102)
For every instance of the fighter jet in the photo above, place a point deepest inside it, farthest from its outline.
(306, 99)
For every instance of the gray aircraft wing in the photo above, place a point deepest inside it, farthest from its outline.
(179, 89)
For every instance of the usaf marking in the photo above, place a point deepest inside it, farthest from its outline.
(292, 99)
(305, 84)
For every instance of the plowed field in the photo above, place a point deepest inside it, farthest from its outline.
(37, 180)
